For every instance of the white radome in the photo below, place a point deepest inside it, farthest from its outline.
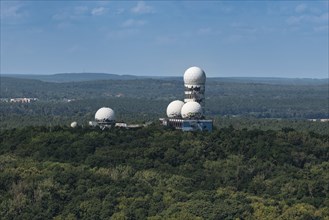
(174, 109)
(92, 123)
(191, 110)
(105, 115)
(194, 76)
(74, 124)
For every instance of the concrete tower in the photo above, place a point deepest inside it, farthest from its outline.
(194, 82)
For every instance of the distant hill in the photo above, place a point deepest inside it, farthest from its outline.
(272, 80)
(146, 99)
(80, 77)
(74, 77)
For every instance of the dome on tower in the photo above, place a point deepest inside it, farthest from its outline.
(194, 76)
(174, 109)
(104, 115)
(191, 110)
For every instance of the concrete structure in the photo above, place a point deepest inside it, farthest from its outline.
(192, 110)
(188, 124)
(174, 109)
(189, 115)
(194, 83)
(201, 125)
(105, 117)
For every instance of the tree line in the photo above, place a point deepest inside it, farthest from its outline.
(156, 173)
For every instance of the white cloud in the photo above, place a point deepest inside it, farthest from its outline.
(142, 8)
(321, 28)
(119, 34)
(102, 3)
(98, 11)
(204, 31)
(74, 49)
(133, 23)
(226, 9)
(60, 16)
(119, 11)
(67, 14)
(243, 28)
(80, 10)
(12, 11)
(64, 25)
(277, 9)
(322, 18)
(233, 38)
(165, 40)
(268, 29)
(294, 20)
(208, 31)
(301, 8)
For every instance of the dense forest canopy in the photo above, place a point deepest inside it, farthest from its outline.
(263, 160)
(154, 173)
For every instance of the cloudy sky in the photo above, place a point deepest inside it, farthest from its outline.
(225, 38)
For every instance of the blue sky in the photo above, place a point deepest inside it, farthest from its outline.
(225, 38)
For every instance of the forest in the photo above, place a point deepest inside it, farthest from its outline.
(140, 100)
(155, 173)
(264, 159)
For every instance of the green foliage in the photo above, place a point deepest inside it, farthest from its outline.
(153, 173)
(141, 100)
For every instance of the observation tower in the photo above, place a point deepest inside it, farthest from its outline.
(194, 83)
(189, 115)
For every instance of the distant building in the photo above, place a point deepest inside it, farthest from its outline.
(189, 115)
(188, 125)
(320, 120)
(105, 118)
(23, 100)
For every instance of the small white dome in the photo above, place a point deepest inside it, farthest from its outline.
(194, 76)
(92, 123)
(105, 115)
(191, 110)
(174, 109)
(74, 124)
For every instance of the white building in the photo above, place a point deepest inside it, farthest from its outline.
(189, 115)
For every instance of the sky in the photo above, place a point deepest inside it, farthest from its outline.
(225, 38)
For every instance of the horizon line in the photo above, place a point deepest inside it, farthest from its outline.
(161, 76)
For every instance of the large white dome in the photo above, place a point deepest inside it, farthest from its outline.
(174, 109)
(194, 76)
(191, 110)
(105, 115)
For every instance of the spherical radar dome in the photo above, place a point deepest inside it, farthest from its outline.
(194, 76)
(174, 108)
(191, 110)
(105, 115)
(74, 124)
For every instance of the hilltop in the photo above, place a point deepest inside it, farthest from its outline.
(79, 77)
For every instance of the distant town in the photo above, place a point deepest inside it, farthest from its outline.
(19, 100)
